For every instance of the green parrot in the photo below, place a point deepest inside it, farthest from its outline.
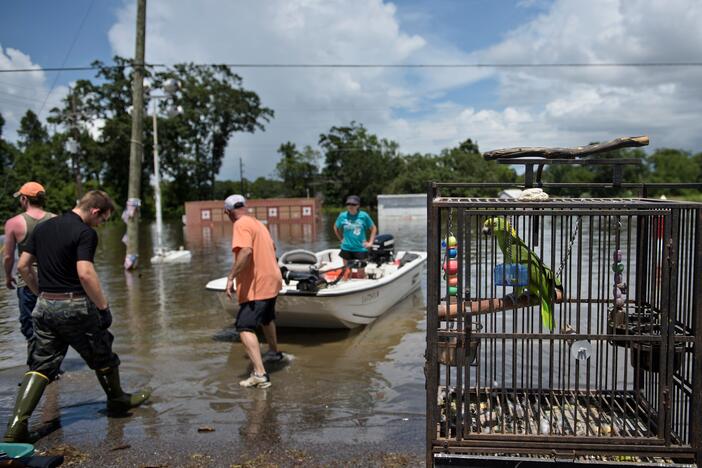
(540, 276)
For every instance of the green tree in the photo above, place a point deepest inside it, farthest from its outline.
(265, 188)
(465, 164)
(630, 173)
(568, 174)
(698, 160)
(224, 188)
(673, 166)
(415, 171)
(42, 158)
(357, 162)
(8, 205)
(31, 131)
(193, 143)
(587, 174)
(298, 170)
(106, 103)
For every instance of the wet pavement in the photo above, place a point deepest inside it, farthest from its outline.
(343, 397)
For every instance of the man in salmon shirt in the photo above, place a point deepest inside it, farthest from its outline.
(258, 281)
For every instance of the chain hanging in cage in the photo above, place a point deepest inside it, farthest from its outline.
(570, 247)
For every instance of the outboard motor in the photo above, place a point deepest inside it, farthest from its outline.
(309, 282)
(382, 250)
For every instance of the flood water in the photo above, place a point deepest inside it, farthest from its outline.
(344, 395)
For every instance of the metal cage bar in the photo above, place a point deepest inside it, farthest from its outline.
(618, 373)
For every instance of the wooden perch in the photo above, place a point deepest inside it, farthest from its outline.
(554, 153)
(487, 306)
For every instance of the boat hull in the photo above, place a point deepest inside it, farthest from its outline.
(172, 256)
(350, 306)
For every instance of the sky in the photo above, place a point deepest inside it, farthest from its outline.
(425, 110)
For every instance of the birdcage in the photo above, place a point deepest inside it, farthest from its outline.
(563, 330)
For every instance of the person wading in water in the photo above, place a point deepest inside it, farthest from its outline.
(258, 280)
(18, 229)
(71, 310)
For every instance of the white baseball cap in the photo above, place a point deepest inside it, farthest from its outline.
(234, 201)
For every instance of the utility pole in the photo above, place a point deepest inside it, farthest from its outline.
(137, 146)
(241, 176)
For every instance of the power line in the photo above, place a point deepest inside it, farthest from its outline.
(21, 86)
(465, 65)
(70, 49)
(19, 97)
(692, 64)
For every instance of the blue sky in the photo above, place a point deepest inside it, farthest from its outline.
(423, 110)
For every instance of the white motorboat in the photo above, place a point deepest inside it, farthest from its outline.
(162, 255)
(320, 293)
(171, 256)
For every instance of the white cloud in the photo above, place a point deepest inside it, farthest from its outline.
(20, 92)
(420, 108)
(574, 106)
(307, 102)
(586, 104)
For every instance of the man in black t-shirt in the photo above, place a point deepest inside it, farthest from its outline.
(71, 310)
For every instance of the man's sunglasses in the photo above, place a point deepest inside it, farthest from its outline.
(352, 204)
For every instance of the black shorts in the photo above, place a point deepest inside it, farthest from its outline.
(254, 313)
(348, 255)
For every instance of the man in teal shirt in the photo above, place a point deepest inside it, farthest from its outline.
(350, 228)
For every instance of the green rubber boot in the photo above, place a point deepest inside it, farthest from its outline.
(30, 393)
(118, 401)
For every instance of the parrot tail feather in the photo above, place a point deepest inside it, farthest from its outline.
(546, 314)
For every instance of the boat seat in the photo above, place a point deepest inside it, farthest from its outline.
(300, 260)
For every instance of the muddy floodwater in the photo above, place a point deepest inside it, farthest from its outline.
(345, 397)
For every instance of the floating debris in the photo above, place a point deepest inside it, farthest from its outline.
(120, 447)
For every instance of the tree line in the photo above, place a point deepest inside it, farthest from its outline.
(216, 107)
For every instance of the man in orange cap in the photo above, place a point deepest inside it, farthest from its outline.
(17, 230)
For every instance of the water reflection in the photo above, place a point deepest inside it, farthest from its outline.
(202, 237)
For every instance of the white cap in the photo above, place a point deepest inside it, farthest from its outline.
(233, 202)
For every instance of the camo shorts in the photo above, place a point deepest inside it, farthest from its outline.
(72, 322)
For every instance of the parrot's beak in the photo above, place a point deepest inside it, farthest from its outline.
(486, 230)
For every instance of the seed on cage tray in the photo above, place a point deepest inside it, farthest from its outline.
(606, 429)
(483, 406)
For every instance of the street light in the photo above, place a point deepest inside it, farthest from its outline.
(161, 255)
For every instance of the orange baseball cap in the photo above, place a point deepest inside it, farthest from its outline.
(30, 189)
